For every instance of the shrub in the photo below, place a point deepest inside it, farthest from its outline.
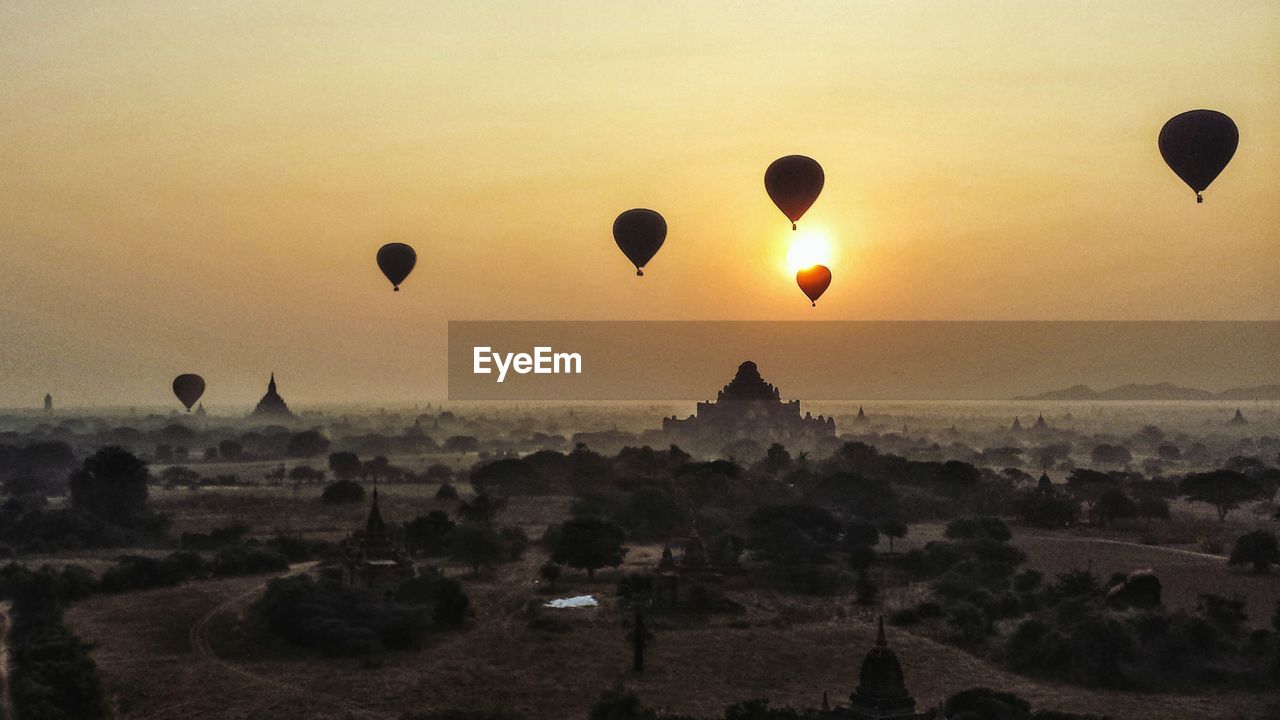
(339, 621)
(1258, 548)
(343, 492)
(444, 598)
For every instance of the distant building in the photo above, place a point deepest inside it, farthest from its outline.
(1238, 419)
(272, 405)
(1040, 423)
(374, 558)
(748, 408)
(694, 580)
(882, 689)
(48, 404)
(1016, 426)
(200, 411)
(862, 417)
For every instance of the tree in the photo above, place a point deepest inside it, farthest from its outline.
(1225, 490)
(1258, 548)
(1111, 455)
(589, 543)
(112, 485)
(987, 704)
(344, 465)
(893, 528)
(428, 534)
(230, 450)
(793, 534)
(640, 636)
(308, 443)
(1113, 504)
(550, 572)
(478, 545)
(342, 492)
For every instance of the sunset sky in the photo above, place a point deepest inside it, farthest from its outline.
(201, 187)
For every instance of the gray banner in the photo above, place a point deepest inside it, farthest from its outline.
(851, 360)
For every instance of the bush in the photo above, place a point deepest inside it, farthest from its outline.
(1258, 548)
(339, 621)
(138, 572)
(444, 598)
(343, 492)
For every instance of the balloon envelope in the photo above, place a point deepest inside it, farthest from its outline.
(793, 183)
(188, 387)
(396, 261)
(1197, 145)
(639, 233)
(814, 281)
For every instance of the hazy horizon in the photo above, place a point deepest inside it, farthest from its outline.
(203, 190)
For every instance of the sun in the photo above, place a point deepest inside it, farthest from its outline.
(808, 247)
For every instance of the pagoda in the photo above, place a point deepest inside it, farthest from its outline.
(272, 405)
(1238, 419)
(748, 408)
(882, 689)
(374, 558)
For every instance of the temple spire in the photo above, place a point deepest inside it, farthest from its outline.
(271, 386)
(881, 641)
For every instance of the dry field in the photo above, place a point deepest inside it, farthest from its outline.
(186, 652)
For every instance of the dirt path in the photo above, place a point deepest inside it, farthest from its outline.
(1124, 543)
(204, 652)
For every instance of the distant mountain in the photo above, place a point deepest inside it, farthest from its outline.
(1159, 391)
(1261, 392)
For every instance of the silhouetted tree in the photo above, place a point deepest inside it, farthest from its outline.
(550, 572)
(344, 465)
(308, 443)
(343, 492)
(428, 534)
(1225, 490)
(112, 485)
(893, 529)
(589, 543)
(640, 637)
(1258, 548)
(478, 545)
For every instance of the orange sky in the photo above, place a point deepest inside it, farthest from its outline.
(191, 188)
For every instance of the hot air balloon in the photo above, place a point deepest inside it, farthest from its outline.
(396, 261)
(793, 183)
(1198, 144)
(814, 281)
(639, 233)
(188, 387)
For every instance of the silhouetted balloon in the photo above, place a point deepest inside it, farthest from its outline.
(1198, 144)
(188, 387)
(639, 233)
(396, 261)
(793, 183)
(814, 281)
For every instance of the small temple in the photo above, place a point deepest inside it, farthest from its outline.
(272, 405)
(882, 689)
(748, 408)
(1041, 423)
(375, 558)
(1016, 426)
(48, 404)
(1238, 419)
